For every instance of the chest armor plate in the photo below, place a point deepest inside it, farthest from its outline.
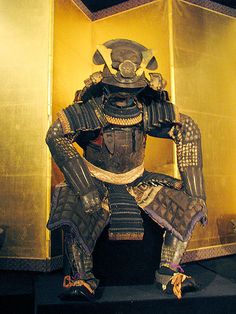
(117, 149)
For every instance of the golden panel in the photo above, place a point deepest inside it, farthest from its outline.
(72, 55)
(25, 94)
(205, 63)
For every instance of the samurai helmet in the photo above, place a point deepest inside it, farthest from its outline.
(125, 62)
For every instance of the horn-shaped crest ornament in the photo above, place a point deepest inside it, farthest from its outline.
(106, 55)
(125, 63)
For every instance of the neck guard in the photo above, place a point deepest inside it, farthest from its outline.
(129, 114)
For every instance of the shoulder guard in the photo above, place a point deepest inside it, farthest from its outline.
(158, 111)
(83, 116)
(158, 114)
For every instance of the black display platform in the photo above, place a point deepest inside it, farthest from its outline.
(217, 295)
(126, 271)
(16, 292)
(31, 293)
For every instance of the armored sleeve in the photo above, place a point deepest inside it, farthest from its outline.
(187, 137)
(68, 160)
(164, 121)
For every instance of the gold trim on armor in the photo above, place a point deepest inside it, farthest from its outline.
(177, 114)
(94, 79)
(115, 178)
(68, 283)
(146, 57)
(123, 121)
(144, 194)
(176, 280)
(125, 236)
(106, 55)
(171, 132)
(64, 122)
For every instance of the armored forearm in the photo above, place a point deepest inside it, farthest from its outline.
(68, 160)
(189, 156)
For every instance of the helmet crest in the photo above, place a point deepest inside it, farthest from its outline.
(125, 62)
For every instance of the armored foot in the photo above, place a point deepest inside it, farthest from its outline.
(78, 290)
(176, 283)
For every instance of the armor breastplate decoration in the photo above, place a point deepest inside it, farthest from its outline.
(120, 150)
(120, 146)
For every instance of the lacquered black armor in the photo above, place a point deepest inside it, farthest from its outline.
(111, 119)
(121, 150)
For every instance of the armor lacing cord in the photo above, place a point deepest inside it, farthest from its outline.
(172, 266)
(124, 121)
(72, 282)
(126, 222)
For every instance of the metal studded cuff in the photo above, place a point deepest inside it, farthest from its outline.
(188, 142)
(189, 155)
(60, 146)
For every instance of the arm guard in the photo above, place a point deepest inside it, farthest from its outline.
(189, 156)
(71, 164)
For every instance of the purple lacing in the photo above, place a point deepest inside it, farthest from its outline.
(77, 276)
(165, 224)
(175, 266)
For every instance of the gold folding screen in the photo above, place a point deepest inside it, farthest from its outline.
(25, 90)
(204, 50)
(195, 49)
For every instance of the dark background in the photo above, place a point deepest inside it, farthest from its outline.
(95, 5)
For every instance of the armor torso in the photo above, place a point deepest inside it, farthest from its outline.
(112, 127)
(117, 149)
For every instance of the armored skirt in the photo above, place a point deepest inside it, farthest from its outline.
(160, 196)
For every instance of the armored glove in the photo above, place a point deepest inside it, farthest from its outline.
(91, 201)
